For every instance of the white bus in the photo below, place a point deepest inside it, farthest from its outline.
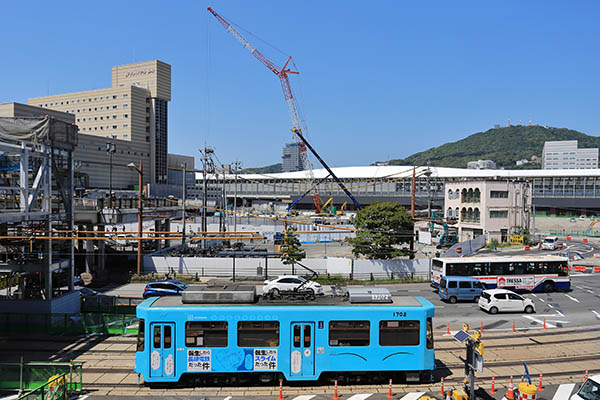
(520, 273)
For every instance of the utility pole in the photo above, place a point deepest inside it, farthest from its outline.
(428, 173)
(207, 166)
(111, 148)
(183, 197)
(236, 166)
(140, 215)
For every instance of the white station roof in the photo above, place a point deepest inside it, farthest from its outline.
(397, 171)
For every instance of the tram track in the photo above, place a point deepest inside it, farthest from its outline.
(448, 380)
(528, 342)
(440, 366)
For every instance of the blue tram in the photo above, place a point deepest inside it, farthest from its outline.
(209, 334)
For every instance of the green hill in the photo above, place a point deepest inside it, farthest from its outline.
(503, 145)
(269, 169)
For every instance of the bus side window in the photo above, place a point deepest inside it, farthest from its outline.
(498, 269)
(519, 268)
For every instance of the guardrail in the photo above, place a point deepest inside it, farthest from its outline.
(68, 324)
(34, 375)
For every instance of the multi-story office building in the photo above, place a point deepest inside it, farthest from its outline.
(132, 115)
(291, 159)
(564, 154)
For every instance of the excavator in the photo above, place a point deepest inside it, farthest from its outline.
(450, 236)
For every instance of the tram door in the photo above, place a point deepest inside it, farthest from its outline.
(303, 349)
(162, 350)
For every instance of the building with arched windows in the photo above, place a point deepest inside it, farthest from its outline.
(494, 207)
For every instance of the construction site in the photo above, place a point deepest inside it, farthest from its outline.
(79, 315)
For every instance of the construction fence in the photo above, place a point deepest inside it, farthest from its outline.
(358, 269)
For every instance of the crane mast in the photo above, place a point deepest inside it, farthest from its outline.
(282, 74)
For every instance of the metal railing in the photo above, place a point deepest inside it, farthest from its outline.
(37, 376)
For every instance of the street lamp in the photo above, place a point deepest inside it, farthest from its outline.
(111, 149)
(139, 249)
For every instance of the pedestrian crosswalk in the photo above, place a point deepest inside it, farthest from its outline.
(563, 391)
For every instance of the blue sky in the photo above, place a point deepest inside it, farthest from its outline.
(379, 79)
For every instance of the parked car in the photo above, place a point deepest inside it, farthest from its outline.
(288, 283)
(573, 220)
(453, 288)
(550, 243)
(590, 390)
(167, 287)
(502, 300)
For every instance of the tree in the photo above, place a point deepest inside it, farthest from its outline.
(381, 228)
(291, 249)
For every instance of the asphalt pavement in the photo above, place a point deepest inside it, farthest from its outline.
(578, 307)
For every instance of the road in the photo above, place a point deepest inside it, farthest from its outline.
(579, 307)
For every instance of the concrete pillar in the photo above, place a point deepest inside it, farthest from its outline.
(157, 228)
(167, 228)
(89, 250)
(101, 250)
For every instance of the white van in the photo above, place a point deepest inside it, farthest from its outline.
(550, 243)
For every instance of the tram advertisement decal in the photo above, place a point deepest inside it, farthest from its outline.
(517, 281)
(265, 359)
(199, 360)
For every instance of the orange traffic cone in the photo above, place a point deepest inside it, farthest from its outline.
(280, 390)
(447, 328)
(448, 396)
(544, 323)
(587, 375)
(493, 391)
(510, 394)
(513, 329)
(442, 388)
(335, 392)
(540, 388)
(389, 395)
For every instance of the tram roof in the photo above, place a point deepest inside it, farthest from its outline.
(397, 301)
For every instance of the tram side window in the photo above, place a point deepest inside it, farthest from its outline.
(429, 333)
(156, 337)
(167, 336)
(206, 334)
(399, 333)
(258, 333)
(140, 337)
(349, 333)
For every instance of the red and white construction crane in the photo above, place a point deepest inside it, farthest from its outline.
(282, 73)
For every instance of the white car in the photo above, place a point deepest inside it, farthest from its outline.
(550, 243)
(495, 300)
(288, 283)
(590, 390)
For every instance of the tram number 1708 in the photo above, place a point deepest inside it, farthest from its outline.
(399, 314)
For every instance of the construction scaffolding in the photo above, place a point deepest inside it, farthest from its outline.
(36, 194)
